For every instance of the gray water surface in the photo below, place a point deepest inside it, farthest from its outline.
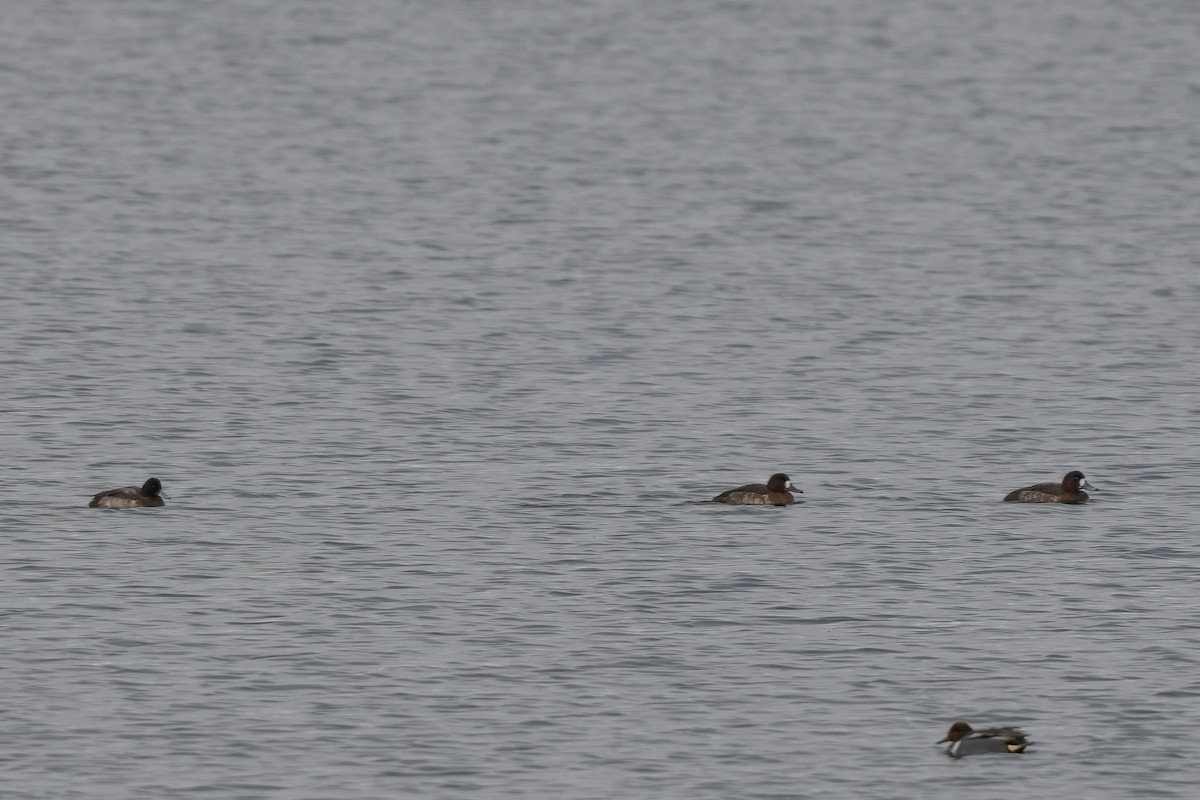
(434, 317)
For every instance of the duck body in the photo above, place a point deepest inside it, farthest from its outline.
(777, 491)
(1069, 491)
(148, 495)
(967, 741)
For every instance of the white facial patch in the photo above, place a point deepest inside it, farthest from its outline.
(787, 484)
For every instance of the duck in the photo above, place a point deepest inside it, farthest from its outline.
(967, 741)
(1069, 491)
(148, 495)
(777, 491)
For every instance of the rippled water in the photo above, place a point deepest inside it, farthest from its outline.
(434, 317)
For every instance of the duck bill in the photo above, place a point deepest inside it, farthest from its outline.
(1086, 485)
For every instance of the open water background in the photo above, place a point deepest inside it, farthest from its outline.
(432, 316)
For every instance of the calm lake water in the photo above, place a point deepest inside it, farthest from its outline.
(434, 317)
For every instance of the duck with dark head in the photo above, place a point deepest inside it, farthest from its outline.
(777, 491)
(1069, 491)
(148, 495)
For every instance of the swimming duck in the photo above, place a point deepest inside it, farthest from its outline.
(145, 496)
(1069, 491)
(774, 493)
(967, 741)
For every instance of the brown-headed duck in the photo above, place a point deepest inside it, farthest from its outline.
(967, 741)
(776, 492)
(145, 496)
(1069, 491)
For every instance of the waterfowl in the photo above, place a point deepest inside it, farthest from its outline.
(967, 741)
(1069, 491)
(145, 496)
(777, 491)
